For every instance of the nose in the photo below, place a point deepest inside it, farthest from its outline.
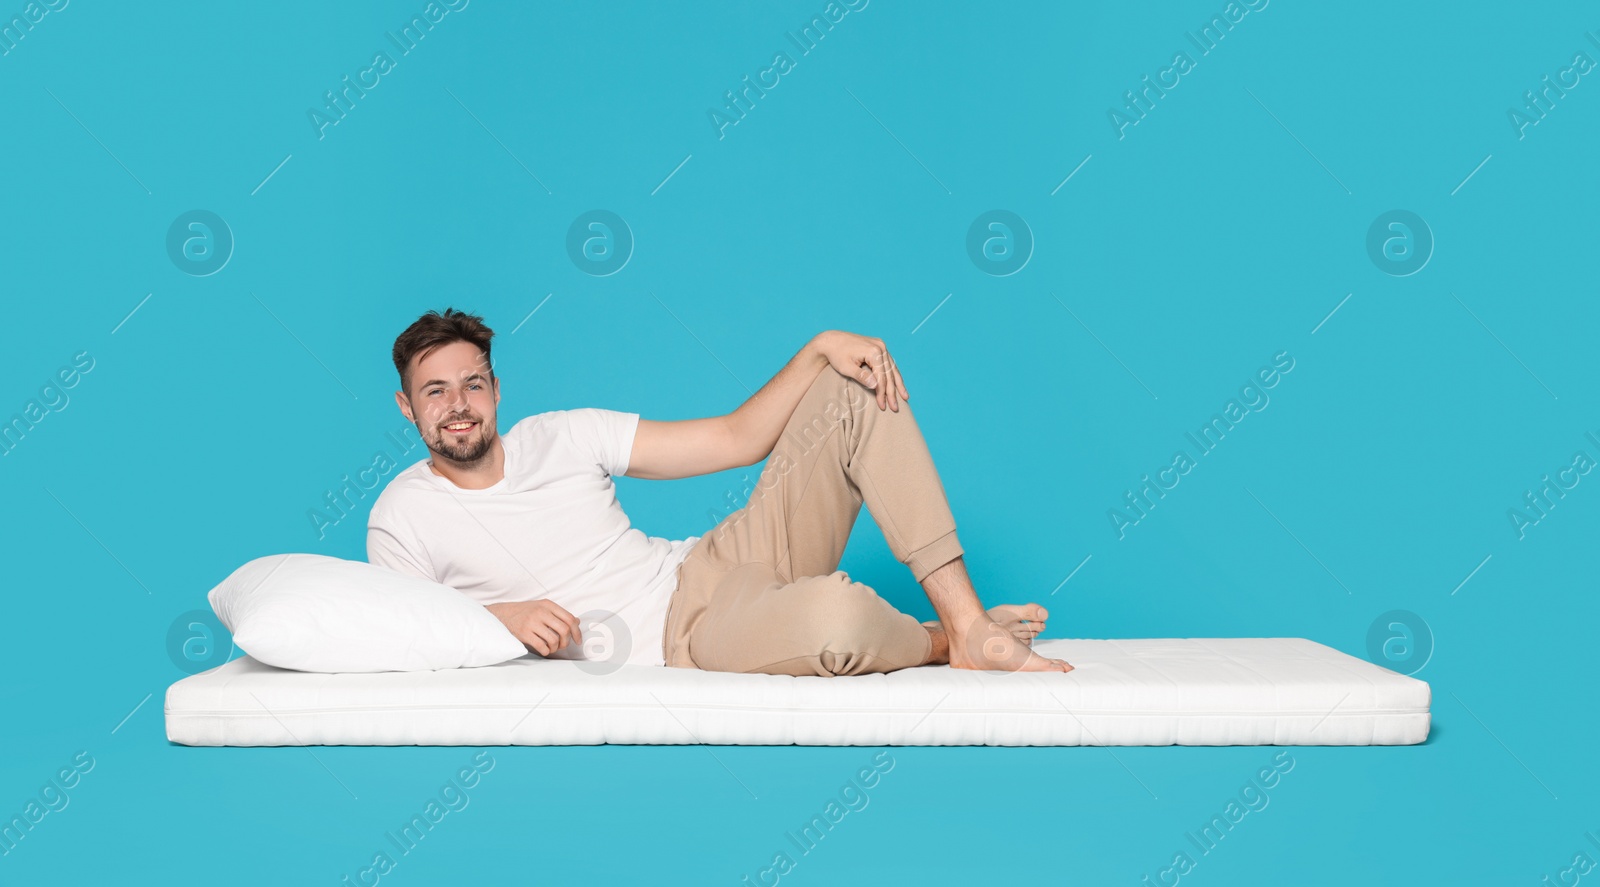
(455, 404)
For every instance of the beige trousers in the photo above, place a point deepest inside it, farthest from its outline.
(762, 591)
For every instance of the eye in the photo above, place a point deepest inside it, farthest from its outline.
(476, 385)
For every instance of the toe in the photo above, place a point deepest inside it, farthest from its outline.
(1023, 612)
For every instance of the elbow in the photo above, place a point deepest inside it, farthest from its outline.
(739, 448)
(751, 457)
(740, 457)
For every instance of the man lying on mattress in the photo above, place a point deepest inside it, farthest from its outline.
(527, 523)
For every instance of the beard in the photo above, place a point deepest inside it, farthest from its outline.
(467, 452)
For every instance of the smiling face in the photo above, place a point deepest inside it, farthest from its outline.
(452, 401)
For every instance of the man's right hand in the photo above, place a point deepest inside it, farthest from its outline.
(542, 626)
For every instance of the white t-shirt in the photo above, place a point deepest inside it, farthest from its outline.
(551, 528)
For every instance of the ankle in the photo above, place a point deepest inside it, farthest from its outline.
(938, 645)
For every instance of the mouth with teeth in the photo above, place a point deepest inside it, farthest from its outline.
(460, 429)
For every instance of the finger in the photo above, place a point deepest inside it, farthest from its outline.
(561, 620)
(901, 383)
(863, 373)
(886, 390)
(577, 628)
(563, 633)
(881, 359)
(547, 636)
(894, 384)
(892, 370)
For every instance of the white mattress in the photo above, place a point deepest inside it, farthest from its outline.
(1175, 691)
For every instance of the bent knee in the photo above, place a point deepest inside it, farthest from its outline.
(844, 615)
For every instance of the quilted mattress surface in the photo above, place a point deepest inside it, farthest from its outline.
(1169, 691)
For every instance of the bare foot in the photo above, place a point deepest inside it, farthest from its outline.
(990, 646)
(1023, 621)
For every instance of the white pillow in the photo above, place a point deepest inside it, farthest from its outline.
(311, 612)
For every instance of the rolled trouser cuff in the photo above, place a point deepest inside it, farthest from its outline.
(934, 555)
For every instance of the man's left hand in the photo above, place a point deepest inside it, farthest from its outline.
(866, 360)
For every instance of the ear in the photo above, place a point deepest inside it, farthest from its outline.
(405, 406)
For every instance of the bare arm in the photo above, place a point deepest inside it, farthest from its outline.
(665, 450)
(758, 421)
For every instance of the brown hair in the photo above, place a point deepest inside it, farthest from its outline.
(432, 331)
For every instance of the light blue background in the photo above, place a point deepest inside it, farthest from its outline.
(1223, 228)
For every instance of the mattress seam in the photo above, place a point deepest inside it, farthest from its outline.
(809, 710)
